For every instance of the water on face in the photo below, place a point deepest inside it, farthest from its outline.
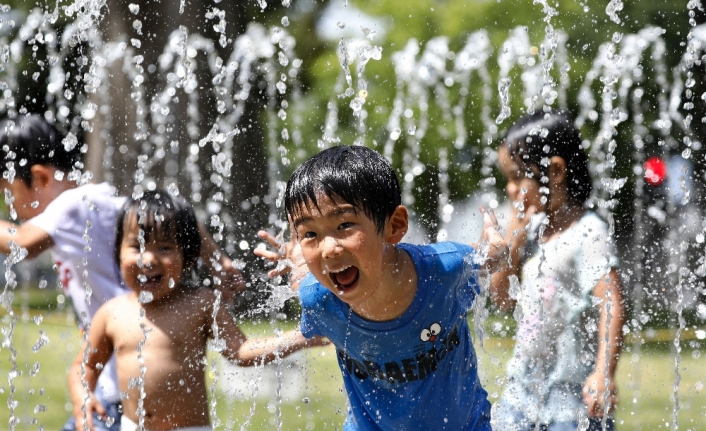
(435, 81)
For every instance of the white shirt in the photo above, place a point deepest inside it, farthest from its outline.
(557, 322)
(81, 222)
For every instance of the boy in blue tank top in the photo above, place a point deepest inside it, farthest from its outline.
(395, 312)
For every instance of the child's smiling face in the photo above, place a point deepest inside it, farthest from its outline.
(158, 269)
(343, 249)
(519, 187)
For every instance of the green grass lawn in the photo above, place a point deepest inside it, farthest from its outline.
(645, 384)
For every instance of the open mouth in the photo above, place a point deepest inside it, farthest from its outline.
(151, 280)
(345, 278)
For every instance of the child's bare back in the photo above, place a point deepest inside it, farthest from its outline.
(173, 354)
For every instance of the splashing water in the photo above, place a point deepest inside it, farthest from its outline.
(426, 76)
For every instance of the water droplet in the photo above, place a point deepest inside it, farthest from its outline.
(58, 175)
(41, 342)
(40, 408)
(285, 21)
(369, 33)
(70, 142)
(172, 189)
(357, 104)
(145, 297)
(134, 8)
(341, 24)
(218, 345)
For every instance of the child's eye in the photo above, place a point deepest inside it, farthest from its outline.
(309, 235)
(345, 225)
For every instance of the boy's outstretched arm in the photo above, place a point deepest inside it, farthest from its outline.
(26, 235)
(221, 266)
(599, 392)
(84, 373)
(248, 352)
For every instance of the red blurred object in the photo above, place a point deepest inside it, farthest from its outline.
(655, 171)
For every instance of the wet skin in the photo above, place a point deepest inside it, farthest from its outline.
(361, 266)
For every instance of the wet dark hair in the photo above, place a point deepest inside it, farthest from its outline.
(542, 135)
(356, 174)
(30, 140)
(161, 215)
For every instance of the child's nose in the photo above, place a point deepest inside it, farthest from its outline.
(331, 247)
(511, 190)
(148, 259)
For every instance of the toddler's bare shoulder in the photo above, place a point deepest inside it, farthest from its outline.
(202, 298)
(120, 304)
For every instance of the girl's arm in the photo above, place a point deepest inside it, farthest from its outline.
(85, 371)
(599, 391)
(516, 239)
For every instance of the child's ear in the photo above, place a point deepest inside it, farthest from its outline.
(41, 175)
(397, 225)
(557, 170)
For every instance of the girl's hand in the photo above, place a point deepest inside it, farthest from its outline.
(288, 257)
(594, 394)
(519, 221)
(497, 246)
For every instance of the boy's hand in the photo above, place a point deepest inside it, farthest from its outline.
(594, 394)
(92, 406)
(288, 257)
(497, 246)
